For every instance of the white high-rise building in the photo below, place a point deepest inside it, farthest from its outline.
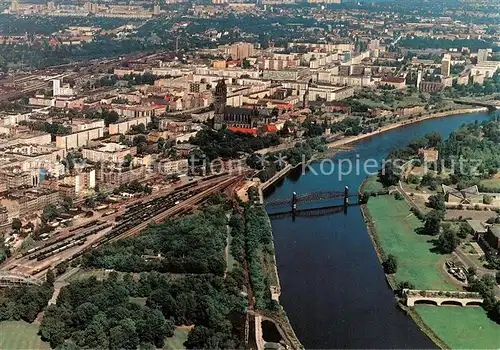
(419, 78)
(58, 90)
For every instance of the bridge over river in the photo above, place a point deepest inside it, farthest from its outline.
(441, 298)
(318, 196)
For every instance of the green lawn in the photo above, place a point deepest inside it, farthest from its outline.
(395, 226)
(462, 327)
(177, 341)
(491, 183)
(20, 335)
(372, 184)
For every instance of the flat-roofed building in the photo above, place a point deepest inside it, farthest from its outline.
(108, 152)
(123, 127)
(493, 237)
(115, 176)
(169, 167)
(22, 202)
(79, 139)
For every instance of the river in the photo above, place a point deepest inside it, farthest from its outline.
(333, 287)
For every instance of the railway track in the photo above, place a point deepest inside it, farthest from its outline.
(132, 221)
(190, 202)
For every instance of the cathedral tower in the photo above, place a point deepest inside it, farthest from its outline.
(220, 99)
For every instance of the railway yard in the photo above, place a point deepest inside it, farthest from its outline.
(128, 220)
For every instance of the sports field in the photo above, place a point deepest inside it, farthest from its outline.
(462, 327)
(177, 341)
(17, 335)
(395, 227)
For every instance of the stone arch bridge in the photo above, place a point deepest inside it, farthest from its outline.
(440, 298)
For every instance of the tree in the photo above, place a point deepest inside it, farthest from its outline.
(404, 285)
(128, 158)
(50, 212)
(432, 224)
(419, 143)
(465, 230)
(49, 277)
(434, 139)
(448, 240)
(390, 175)
(53, 328)
(16, 224)
(390, 265)
(110, 117)
(90, 202)
(124, 336)
(497, 277)
(365, 197)
(67, 202)
(487, 199)
(437, 202)
(95, 335)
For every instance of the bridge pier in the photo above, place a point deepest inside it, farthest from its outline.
(294, 203)
(346, 196)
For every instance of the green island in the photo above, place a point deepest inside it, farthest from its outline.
(422, 247)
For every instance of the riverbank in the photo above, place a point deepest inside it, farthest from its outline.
(264, 278)
(352, 139)
(391, 280)
(392, 229)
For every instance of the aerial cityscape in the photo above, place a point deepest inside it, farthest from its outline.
(249, 174)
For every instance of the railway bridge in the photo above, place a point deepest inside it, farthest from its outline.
(13, 279)
(318, 196)
(491, 105)
(440, 298)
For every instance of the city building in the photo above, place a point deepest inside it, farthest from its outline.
(108, 152)
(28, 201)
(78, 139)
(482, 55)
(170, 167)
(446, 65)
(114, 176)
(493, 237)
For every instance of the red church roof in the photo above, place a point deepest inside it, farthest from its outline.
(251, 131)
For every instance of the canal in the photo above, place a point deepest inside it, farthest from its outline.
(333, 287)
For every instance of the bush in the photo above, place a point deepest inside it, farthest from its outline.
(390, 265)
(398, 196)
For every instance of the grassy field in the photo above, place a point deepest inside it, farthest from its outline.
(177, 341)
(491, 183)
(470, 327)
(395, 226)
(20, 335)
(372, 184)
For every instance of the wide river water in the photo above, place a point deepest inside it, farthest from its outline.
(333, 287)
